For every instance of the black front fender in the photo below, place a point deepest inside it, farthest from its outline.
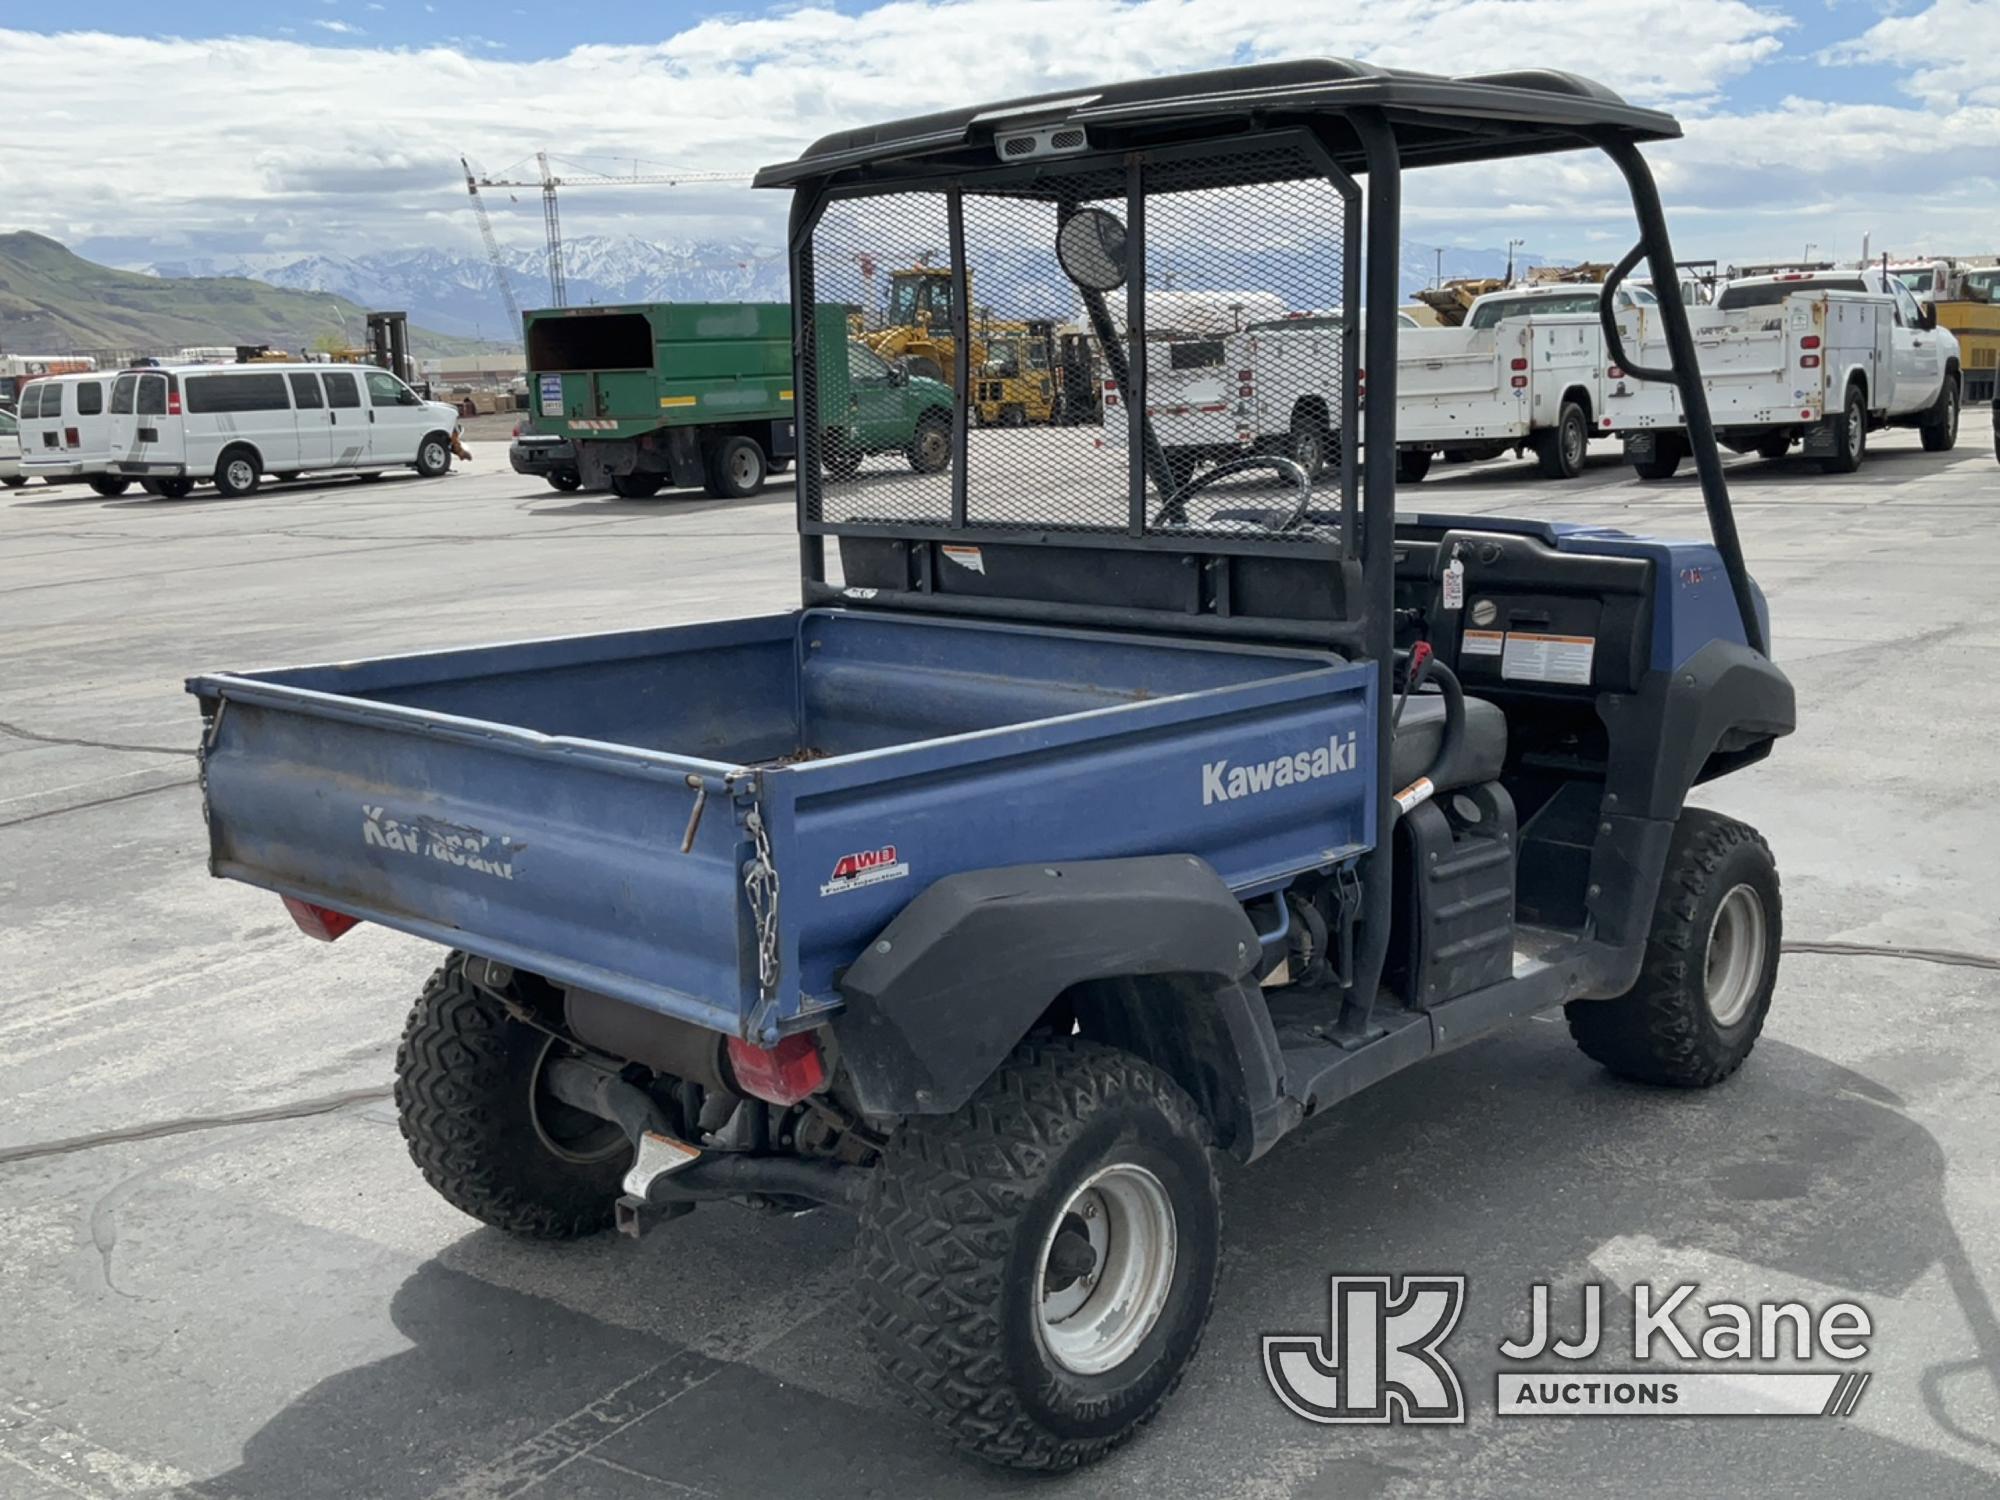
(949, 988)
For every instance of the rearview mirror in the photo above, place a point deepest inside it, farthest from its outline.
(1926, 315)
(899, 373)
(1091, 247)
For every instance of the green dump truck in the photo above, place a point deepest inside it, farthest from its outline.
(700, 394)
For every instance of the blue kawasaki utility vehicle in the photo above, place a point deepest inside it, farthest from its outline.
(1089, 820)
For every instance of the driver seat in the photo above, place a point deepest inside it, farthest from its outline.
(1421, 735)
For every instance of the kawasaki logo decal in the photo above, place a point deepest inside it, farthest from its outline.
(1222, 782)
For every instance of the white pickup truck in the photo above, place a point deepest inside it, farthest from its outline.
(1820, 358)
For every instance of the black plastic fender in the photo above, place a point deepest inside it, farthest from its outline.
(1717, 711)
(948, 989)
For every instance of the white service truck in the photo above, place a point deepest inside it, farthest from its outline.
(1815, 357)
(1271, 387)
(1526, 371)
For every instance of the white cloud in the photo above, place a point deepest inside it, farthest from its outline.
(1947, 49)
(340, 28)
(283, 145)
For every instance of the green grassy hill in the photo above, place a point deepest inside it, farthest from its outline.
(54, 302)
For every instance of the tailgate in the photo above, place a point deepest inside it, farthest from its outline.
(555, 855)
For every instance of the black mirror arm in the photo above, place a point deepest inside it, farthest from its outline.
(1609, 319)
(1121, 376)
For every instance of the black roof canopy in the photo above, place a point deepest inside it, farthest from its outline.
(1437, 120)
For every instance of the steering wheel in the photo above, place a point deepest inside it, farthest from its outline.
(1173, 510)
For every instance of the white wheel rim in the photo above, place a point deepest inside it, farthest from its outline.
(743, 468)
(434, 456)
(1096, 1322)
(1734, 968)
(239, 475)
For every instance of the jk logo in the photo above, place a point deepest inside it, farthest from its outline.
(1378, 1361)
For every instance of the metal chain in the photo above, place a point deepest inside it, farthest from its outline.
(760, 885)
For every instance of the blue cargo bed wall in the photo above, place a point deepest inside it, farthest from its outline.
(408, 792)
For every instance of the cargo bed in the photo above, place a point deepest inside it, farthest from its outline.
(536, 803)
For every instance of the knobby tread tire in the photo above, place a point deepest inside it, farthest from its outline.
(1660, 1031)
(463, 1075)
(949, 1201)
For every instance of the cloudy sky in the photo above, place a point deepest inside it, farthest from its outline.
(223, 126)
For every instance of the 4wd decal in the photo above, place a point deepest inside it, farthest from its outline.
(1222, 782)
(449, 843)
(869, 867)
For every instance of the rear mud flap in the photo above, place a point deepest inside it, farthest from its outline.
(1820, 440)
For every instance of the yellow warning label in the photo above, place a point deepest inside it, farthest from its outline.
(678, 400)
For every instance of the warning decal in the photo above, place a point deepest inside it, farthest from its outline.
(965, 557)
(1482, 642)
(1548, 658)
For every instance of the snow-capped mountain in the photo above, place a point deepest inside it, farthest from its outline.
(453, 291)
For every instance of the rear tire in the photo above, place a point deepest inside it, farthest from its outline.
(1560, 450)
(467, 1101)
(434, 455)
(237, 473)
(1850, 434)
(1710, 968)
(1668, 450)
(1412, 465)
(1002, 1250)
(839, 455)
(14, 481)
(565, 481)
(637, 485)
(735, 469)
(177, 488)
(107, 485)
(1308, 446)
(1940, 428)
(1776, 446)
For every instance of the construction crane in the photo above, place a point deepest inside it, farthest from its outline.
(493, 250)
(547, 182)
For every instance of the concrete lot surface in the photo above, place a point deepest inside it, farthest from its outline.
(220, 1275)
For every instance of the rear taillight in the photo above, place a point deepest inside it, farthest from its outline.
(1519, 364)
(1808, 361)
(1246, 391)
(1244, 377)
(1520, 382)
(1810, 341)
(1612, 372)
(71, 439)
(783, 1074)
(517, 429)
(321, 922)
(173, 403)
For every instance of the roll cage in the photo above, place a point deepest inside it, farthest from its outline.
(1294, 142)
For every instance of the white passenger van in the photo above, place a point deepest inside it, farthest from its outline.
(233, 424)
(66, 431)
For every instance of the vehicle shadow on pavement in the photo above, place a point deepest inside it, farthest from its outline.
(1511, 1162)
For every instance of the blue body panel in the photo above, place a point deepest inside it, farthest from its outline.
(1692, 600)
(529, 802)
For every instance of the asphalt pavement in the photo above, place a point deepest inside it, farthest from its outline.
(221, 1276)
